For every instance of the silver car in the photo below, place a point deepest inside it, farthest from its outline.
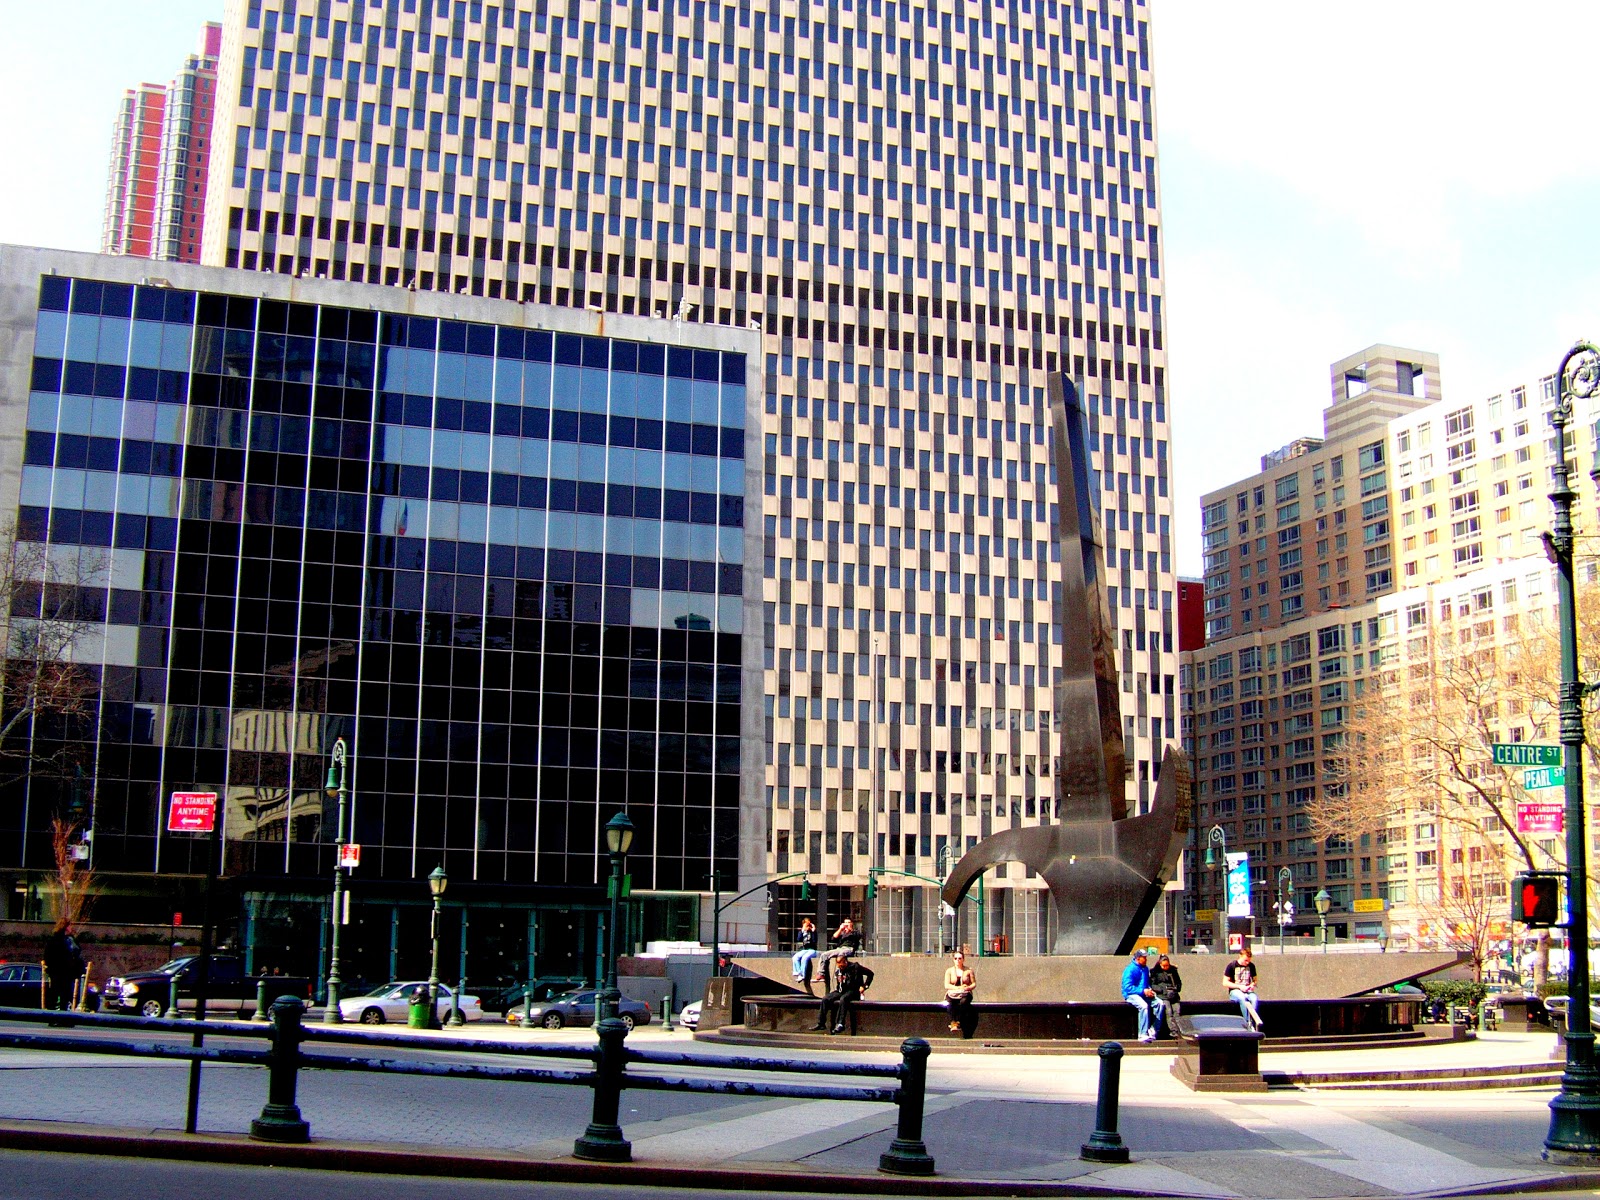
(577, 1008)
(392, 1002)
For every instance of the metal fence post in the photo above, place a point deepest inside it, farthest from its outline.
(1105, 1143)
(261, 1001)
(908, 1154)
(603, 1140)
(280, 1119)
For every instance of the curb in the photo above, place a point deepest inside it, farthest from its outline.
(380, 1159)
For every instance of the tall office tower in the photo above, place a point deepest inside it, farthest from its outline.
(161, 147)
(927, 208)
(130, 221)
(186, 151)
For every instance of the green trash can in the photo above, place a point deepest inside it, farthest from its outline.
(419, 1009)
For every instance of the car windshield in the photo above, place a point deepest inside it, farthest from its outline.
(176, 965)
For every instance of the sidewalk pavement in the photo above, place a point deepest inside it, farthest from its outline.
(995, 1124)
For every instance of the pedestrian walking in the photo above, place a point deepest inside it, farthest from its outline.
(1240, 977)
(1167, 984)
(63, 966)
(959, 984)
(1136, 990)
(854, 978)
(805, 949)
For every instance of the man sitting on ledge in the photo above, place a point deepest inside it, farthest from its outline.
(1136, 991)
(851, 980)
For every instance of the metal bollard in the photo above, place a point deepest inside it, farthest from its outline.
(261, 1002)
(1105, 1143)
(172, 1013)
(456, 1020)
(280, 1119)
(603, 1140)
(908, 1154)
(527, 1005)
(666, 1012)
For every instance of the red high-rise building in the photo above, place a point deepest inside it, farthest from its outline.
(135, 165)
(155, 199)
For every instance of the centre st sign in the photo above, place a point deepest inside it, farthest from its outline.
(1526, 754)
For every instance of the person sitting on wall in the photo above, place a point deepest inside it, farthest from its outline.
(805, 949)
(853, 980)
(959, 984)
(1167, 984)
(846, 938)
(1239, 977)
(1136, 990)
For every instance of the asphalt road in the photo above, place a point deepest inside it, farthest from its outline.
(30, 1176)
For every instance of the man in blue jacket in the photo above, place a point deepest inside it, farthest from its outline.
(1136, 991)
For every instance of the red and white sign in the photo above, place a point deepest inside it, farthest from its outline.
(1535, 816)
(192, 812)
(350, 854)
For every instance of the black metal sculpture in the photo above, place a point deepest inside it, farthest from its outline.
(1105, 869)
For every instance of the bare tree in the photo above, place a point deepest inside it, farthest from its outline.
(73, 882)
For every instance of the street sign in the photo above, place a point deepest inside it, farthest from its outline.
(1535, 778)
(192, 812)
(350, 854)
(1205, 915)
(1526, 754)
(1371, 904)
(1541, 816)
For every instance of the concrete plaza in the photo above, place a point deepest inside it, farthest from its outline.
(1011, 1123)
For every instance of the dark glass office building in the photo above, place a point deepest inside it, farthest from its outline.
(503, 550)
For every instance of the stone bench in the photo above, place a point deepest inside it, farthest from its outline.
(1098, 1021)
(1218, 1054)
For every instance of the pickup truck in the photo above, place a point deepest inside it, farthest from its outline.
(230, 992)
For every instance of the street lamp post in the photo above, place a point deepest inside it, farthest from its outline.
(1217, 852)
(1324, 902)
(1285, 908)
(1575, 1111)
(336, 788)
(619, 837)
(437, 882)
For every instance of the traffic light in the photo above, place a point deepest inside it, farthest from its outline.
(872, 886)
(1536, 899)
(805, 889)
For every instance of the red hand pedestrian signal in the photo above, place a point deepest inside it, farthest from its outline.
(1536, 900)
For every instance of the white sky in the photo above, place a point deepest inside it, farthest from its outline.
(1332, 175)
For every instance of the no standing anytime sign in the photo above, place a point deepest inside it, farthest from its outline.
(192, 812)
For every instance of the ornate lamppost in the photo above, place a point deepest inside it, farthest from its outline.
(1575, 1111)
(1324, 902)
(1217, 852)
(619, 837)
(336, 788)
(1285, 907)
(437, 882)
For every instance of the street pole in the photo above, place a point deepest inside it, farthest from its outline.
(1575, 1111)
(716, 923)
(1218, 836)
(437, 882)
(1284, 876)
(336, 786)
(619, 837)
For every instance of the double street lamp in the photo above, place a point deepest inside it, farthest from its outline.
(1575, 1111)
(336, 788)
(619, 838)
(437, 882)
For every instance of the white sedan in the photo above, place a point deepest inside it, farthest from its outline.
(392, 1002)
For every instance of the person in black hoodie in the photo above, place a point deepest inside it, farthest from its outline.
(851, 980)
(1166, 983)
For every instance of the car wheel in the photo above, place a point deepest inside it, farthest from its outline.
(150, 1008)
(372, 1016)
(552, 1021)
(627, 1021)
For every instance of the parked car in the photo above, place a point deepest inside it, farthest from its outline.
(22, 986)
(502, 999)
(1557, 1006)
(577, 1008)
(229, 991)
(689, 1018)
(392, 1002)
